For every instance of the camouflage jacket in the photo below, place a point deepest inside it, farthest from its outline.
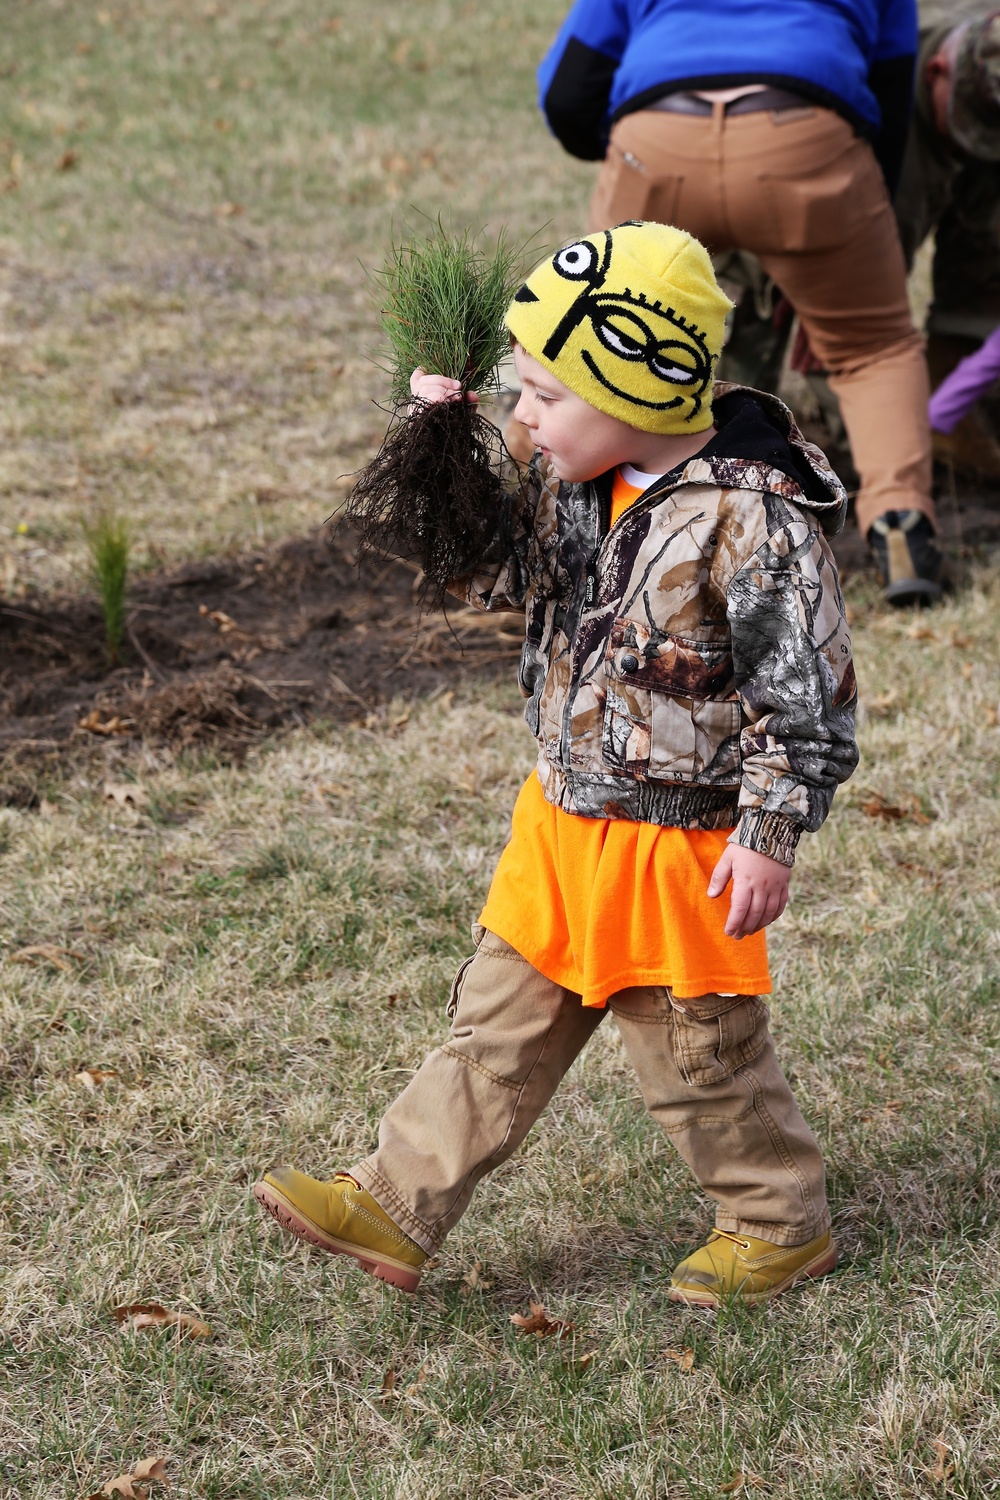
(944, 189)
(690, 665)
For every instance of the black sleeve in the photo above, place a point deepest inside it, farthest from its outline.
(576, 104)
(891, 81)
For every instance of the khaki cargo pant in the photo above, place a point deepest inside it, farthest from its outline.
(805, 194)
(707, 1072)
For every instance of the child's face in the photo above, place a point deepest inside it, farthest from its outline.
(580, 441)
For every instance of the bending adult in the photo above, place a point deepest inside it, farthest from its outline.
(773, 126)
(951, 184)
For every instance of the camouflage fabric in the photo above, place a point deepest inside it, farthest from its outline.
(957, 194)
(691, 666)
(974, 108)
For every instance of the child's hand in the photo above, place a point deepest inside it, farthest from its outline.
(760, 889)
(437, 387)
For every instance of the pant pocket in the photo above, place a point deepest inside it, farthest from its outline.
(821, 208)
(627, 189)
(710, 1048)
(455, 994)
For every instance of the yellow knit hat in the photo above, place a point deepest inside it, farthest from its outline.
(632, 320)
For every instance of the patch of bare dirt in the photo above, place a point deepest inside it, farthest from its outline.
(228, 650)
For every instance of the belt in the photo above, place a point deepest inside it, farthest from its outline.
(747, 104)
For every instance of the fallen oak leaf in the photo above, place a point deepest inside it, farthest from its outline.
(123, 1486)
(50, 952)
(142, 1316)
(877, 806)
(682, 1358)
(92, 1078)
(388, 1389)
(539, 1323)
(151, 1468)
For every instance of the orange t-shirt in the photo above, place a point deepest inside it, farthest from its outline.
(598, 905)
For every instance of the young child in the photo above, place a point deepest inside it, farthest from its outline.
(688, 674)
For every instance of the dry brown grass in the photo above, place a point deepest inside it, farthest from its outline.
(261, 954)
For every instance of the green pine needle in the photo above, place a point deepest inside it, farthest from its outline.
(108, 541)
(442, 301)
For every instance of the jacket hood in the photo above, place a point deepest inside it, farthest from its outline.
(759, 447)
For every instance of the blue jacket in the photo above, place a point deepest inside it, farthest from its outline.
(612, 57)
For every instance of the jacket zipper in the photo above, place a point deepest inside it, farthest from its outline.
(604, 530)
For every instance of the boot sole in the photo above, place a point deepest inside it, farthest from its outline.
(912, 591)
(284, 1212)
(811, 1271)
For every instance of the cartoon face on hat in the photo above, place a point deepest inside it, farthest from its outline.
(631, 319)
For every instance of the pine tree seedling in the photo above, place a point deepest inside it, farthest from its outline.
(433, 491)
(108, 541)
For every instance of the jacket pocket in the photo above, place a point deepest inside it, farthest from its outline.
(666, 714)
(709, 1048)
(694, 741)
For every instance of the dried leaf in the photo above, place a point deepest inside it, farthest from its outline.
(581, 1362)
(883, 703)
(49, 952)
(740, 1482)
(388, 1386)
(94, 724)
(93, 1078)
(683, 1358)
(942, 1469)
(151, 1468)
(473, 1280)
(539, 1323)
(124, 792)
(67, 161)
(920, 633)
(961, 642)
(877, 806)
(218, 617)
(144, 1315)
(148, 1470)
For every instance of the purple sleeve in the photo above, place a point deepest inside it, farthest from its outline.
(959, 392)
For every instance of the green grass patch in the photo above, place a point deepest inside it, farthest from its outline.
(263, 967)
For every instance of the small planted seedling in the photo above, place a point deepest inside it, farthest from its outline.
(433, 490)
(108, 541)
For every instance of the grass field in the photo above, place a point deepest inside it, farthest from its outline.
(260, 955)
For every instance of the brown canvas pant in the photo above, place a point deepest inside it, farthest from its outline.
(806, 195)
(707, 1072)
